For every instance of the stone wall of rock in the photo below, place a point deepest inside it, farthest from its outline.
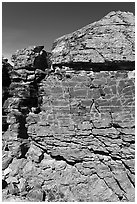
(71, 134)
(87, 122)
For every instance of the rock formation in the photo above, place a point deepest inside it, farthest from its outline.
(6, 68)
(109, 40)
(70, 116)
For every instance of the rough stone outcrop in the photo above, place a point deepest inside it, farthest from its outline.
(78, 118)
(30, 67)
(109, 40)
(6, 69)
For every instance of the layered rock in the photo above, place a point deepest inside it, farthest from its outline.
(30, 67)
(87, 121)
(6, 70)
(80, 143)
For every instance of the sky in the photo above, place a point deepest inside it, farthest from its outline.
(40, 23)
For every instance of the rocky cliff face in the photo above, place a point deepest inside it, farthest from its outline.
(71, 125)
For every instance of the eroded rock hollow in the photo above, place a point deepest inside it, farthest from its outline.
(69, 130)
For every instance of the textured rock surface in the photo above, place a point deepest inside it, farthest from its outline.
(6, 70)
(108, 40)
(30, 67)
(87, 121)
(71, 127)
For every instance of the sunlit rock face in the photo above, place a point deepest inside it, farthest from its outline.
(71, 124)
(109, 40)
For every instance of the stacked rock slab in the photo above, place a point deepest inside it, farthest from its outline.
(30, 66)
(6, 69)
(82, 141)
